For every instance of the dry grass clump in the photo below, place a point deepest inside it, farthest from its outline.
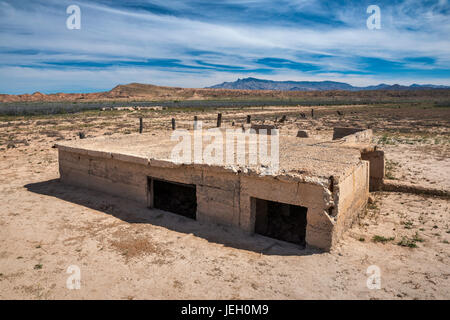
(132, 247)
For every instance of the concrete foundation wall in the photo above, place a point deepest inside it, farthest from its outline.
(377, 163)
(353, 135)
(361, 139)
(315, 197)
(351, 194)
(223, 197)
(107, 175)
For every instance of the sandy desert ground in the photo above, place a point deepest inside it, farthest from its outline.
(127, 252)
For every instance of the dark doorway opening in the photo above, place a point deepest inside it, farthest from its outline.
(174, 197)
(280, 221)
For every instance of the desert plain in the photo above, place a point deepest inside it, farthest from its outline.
(124, 251)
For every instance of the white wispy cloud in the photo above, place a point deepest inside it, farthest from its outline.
(205, 51)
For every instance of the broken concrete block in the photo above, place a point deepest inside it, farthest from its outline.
(302, 134)
(263, 128)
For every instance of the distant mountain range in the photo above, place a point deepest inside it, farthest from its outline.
(260, 84)
(249, 88)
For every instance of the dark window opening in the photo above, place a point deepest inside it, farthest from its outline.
(280, 221)
(174, 197)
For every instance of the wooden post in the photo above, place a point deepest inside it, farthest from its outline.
(141, 126)
(249, 118)
(173, 124)
(312, 113)
(219, 120)
(195, 122)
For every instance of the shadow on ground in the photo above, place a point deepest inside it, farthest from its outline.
(132, 212)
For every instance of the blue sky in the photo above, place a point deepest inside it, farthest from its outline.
(201, 43)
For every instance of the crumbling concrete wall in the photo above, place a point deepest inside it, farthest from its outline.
(377, 164)
(351, 198)
(223, 196)
(218, 198)
(361, 139)
(340, 132)
(99, 171)
(353, 135)
(316, 197)
(126, 176)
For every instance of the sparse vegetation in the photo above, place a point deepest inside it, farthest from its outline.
(140, 95)
(406, 242)
(372, 206)
(381, 239)
(407, 224)
(390, 168)
(417, 238)
(386, 139)
(410, 242)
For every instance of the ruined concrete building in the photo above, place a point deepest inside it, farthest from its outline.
(318, 191)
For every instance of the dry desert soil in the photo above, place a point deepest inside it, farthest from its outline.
(128, 252)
